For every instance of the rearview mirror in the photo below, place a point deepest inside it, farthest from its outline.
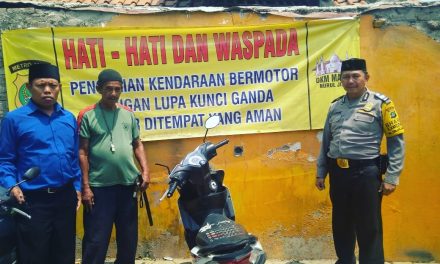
(28, 175)
(31, 173)
(212, 122)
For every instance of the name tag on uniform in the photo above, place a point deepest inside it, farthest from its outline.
(342, 163)
(367, 107)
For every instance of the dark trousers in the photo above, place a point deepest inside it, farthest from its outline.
(356, 213)
(113, 204)
(49, 236)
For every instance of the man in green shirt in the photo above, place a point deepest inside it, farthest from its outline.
(109, 136)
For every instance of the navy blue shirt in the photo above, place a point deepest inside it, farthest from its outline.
(29, 138)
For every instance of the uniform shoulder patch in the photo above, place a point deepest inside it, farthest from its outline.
(337, 99)
(382, 97)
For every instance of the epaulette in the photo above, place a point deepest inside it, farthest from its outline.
(382, 97)
(339, 98)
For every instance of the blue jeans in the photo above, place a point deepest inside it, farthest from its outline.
(113, 204)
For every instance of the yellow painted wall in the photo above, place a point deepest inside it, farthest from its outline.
(404, 64)
(272, 183)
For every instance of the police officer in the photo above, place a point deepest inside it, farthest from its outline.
(350, 154)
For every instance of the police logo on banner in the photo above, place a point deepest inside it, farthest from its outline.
(22, 94)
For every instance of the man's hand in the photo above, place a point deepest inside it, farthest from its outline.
(78, 197)
(88, 199)
(320, 183)
(17, 194)
(145, 181)
(387, 188)
(139, 153)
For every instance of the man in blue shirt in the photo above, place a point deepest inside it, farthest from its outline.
(43, 134)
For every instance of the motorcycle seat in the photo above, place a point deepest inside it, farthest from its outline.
(220, 235)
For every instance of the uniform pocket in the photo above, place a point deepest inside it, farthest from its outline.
(335, 117)
(364, 118)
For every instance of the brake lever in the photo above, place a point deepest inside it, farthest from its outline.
(18, 211)
(163, 196)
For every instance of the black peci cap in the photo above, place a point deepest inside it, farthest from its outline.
(354, 64)
(43, 70)
(108, 75)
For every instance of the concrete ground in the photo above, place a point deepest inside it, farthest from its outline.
(188, 261)
(270, 261)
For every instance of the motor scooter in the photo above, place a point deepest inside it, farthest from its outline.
(8, 208)
(207, 211)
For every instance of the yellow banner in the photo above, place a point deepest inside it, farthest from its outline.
(258, 79)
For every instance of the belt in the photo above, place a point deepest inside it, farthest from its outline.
(353, 163)
(51, 190)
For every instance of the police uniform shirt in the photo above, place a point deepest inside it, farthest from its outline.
(354, 130)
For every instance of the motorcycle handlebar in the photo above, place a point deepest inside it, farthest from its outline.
(221, 143)
(18, 211)
(172, 188)
(174, 183)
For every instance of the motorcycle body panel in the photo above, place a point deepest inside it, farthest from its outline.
(8, 210)
(207, 211)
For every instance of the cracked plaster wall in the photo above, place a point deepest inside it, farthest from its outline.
(298, 241)
(426, 20)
